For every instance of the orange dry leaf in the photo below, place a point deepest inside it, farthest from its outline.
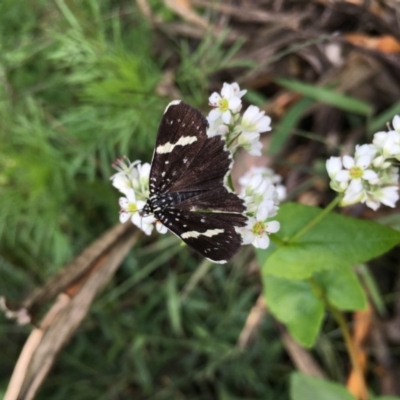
(362, 328)
(282, 102)
(385, 44)
(184, 9)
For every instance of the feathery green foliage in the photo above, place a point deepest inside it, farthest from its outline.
(77, 89)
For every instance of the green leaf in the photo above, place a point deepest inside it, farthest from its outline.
(327, 96)
(386, 398)
(303, 387)
(333, 243)
(342, 289)
(296, 305)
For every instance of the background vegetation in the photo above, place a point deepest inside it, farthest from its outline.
(82, 82)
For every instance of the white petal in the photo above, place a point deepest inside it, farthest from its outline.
(262, 211)
(121, 182)
(261, 242)
(342, 176)
(255, 149)
(348, 162)
(355, 186)
(246, 232)
(249, 137)
(378, 162)
(365, 149)
(131, 196)
(333, 166)
(226, 90)
(352, 196)
(389, 196)
(251, 113)
(123, 202)
(379, 139)
(371, 176)
(235, 104)
(373, 204)
(137, 220)
(396, 123)
(264, 124)
(214, 99)
(213, 115)
(147, 229)
(161, 228)
(273, 226)
(123, 217)
(364, 161)
(144, 171)
(226, 117)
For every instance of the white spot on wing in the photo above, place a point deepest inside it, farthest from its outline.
(168, 147)
(217, 262)
(208, 233)
(173, 103)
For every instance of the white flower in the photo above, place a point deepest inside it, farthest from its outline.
(216, 126)
(269, 176)
(225, 120)
(132, 176)
(252, 124)
(388, 143)
(258, 229)
(368, 150)
(357, 169)
(254, 121)
(257, 191)
(355, 193)
(387, 196)
(122, 180)
(227, 103)
(391, 176)
(381, 162)
(140, 180)
(130, 208)
(369, 177)
(251, 143)
(333, 166)
(265, 172)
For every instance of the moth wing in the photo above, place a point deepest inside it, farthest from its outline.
(181, 135)
(211, 234)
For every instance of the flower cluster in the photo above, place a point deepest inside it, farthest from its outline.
(261, 198)
(369, 177)
(132, 180)
(238, 130)
(259, 192)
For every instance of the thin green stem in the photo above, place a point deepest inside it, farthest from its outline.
(277, 240)
(317, 219)
(230, 182)
(342, 323)
(351, 348)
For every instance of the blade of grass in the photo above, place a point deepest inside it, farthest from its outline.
(327, 96)
(379, 122)
(283, 130)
